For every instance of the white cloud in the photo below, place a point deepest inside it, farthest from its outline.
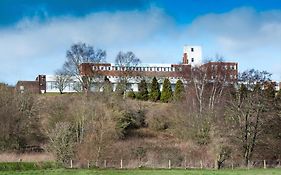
(32, 46)
(250, 37)
(32, 40)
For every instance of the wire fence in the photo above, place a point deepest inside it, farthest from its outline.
(169, 164)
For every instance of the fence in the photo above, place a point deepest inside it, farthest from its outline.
(169, 164)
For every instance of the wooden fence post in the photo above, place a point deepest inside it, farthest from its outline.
(71, 163)
(169, 164)
(88, 164)
(105, 164)
(201, 164)
(121, 164)
(264, 164)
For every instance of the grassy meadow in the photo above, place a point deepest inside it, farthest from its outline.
(144, 172)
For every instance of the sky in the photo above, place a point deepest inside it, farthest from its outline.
(35, 35)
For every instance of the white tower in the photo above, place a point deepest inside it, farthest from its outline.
(192, 55)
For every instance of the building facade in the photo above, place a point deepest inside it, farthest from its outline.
(192, 58)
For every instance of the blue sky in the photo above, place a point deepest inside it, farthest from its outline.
(34, 35)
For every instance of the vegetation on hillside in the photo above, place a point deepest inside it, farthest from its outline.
(212, 122)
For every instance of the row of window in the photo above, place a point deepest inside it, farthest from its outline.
(230, 76)
(119, 68)
(226, 67)
(138, 77)
(51, 85)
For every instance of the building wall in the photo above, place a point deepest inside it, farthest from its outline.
(28, 87)
(192, 55)
(226, 71)
(51, 85)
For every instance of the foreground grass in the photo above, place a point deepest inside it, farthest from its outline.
(144, 172)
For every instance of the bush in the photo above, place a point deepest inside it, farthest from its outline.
(131, 95)
(131, 120)
(158, 118)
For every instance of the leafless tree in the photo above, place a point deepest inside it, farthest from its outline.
(62, 80)
(248, 112)
(82, 53)
(128, 63)
(61, 142)
(199, 81)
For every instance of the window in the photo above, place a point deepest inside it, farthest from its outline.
(192, 59)
(192, 49)
(109, 68)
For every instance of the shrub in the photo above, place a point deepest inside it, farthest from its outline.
(131, 94)
(158, 118)
(131, 120)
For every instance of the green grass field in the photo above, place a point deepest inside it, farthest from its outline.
(145, 172)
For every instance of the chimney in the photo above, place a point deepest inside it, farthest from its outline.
(184, 59)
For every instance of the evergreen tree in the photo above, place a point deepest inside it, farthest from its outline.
(107, 86)
(167, 93)
(120, 88)
(143, 93)
(154, 90)
(179, 90)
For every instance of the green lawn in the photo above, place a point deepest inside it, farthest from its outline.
(144, 172)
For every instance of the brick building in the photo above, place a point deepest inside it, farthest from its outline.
(36, 86)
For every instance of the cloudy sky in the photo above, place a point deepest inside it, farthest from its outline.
(34, 35)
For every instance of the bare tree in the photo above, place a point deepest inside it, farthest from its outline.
(82, 53)
(218, 83)
(62, 80)
(248, 112)
(199, 80)
(61, 142)
(128, 63)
